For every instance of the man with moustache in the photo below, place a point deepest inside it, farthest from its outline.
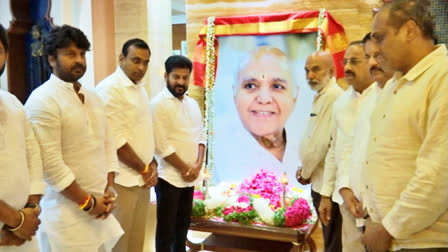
(319, 70)
(345, 113)
(21, 183)
(351, 188)
(406, 170)
(180, 145)
(129, 115)
(78, 153)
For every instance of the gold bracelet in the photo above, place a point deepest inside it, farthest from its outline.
(22, 215)
(146, 170)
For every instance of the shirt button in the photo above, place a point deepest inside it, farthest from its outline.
(384, 116)
(374, 139)
(367, 162)
(395, 92)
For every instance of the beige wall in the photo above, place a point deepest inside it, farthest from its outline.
(103, 39)
(354, 15)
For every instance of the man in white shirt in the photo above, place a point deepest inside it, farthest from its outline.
(180, 144)
(406, 171)
(78, 154)
(345, 114)
(319, 70)
(21, 182)
(351, 192)
(129, 115)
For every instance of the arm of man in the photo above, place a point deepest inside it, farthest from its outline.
(128, 156)
(34, 161)
(45, 120)
(162, 122)
(25, 220)
(319, 140)
(329, 179)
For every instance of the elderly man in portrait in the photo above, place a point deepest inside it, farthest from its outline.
(264, 95)
(319, 69)
(406, 170)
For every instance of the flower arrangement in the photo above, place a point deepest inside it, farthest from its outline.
(257, 200)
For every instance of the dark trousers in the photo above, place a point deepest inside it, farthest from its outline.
(332, 232)
(174, 206)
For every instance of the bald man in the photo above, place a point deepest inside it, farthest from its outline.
(319, 70)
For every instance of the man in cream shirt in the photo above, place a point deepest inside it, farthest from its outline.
(319, 70)
(78, 154)
(129, 115)
(406, 171)
(345, 113)
(21, 181)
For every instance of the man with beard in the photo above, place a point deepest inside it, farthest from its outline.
(129, 115)
(319, 70)
(21, 183)
(180, 144)
(78, 154)
(345, 113)
(406, 170)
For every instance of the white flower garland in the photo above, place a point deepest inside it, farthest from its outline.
(210, 96)
(319, 31)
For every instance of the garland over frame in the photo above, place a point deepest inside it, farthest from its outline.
(331, 37)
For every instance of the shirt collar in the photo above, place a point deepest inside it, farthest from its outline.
(125, 81)
(64, 84)
(425, 63)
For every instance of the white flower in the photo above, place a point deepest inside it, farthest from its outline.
(263, 210)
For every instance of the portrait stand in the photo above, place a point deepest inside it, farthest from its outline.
(228, 236)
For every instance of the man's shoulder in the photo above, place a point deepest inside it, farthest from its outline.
(111, 81)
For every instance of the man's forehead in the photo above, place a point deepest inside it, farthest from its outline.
(352, 51)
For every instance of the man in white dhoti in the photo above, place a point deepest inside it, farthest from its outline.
(78, 153)
(21, 183)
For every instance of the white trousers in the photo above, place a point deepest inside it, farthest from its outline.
(351, 235)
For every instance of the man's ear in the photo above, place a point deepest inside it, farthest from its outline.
(120, 58)
(52, 61)
(165, 76)
(411, 29)
(331, 71)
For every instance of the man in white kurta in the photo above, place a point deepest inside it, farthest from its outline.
(21, 182)
(129, 115)
(319, 70)
(77, 152)
(180, 144)
(345, 114)
(406, 170)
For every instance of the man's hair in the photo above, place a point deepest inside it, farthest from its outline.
(401, 11)
(366, 38)
(177, 61)
(62, 37)
(255, 55)
(3, 37)
(136, 42)
(356, 42)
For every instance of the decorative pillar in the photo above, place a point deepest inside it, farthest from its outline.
(160, 40)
